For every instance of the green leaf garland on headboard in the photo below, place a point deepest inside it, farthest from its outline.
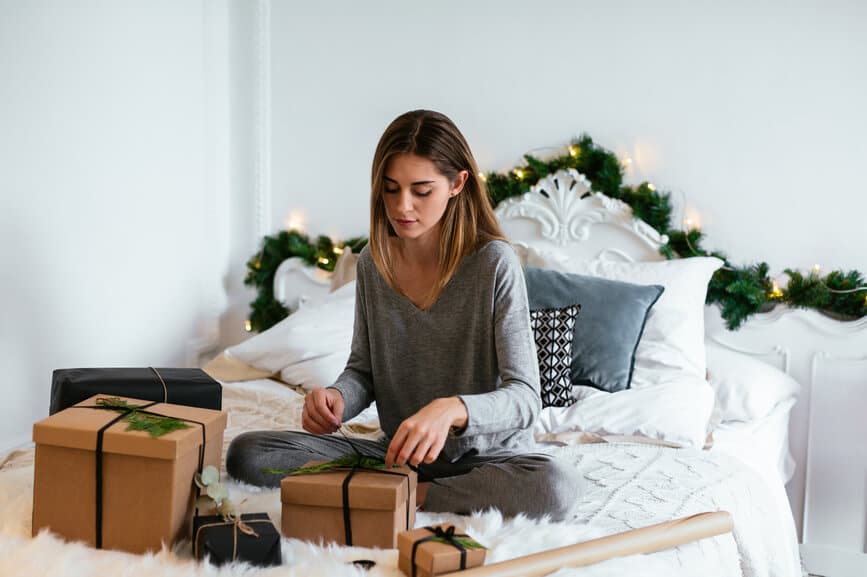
(740, 292)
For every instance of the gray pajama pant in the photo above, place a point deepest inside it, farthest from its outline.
(532, 484)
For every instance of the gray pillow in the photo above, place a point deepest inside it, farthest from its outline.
(607, 333)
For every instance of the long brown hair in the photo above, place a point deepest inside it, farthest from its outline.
(468, 221)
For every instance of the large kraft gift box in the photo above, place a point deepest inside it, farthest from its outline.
(178, 386)
(380, 503)
(145, 487)
(430, 551)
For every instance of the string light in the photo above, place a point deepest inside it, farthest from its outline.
(295, 221)
(574, 151)
(338, 250)
(688, 224)
(323, 260)
(775, 290)
(482, 176)
(816, 272)
(519, 173)
(651, 187)
(248, 326)
(626, 163)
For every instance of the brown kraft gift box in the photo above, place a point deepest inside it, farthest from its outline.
(147, 482)
(381, 504)
(434, 557)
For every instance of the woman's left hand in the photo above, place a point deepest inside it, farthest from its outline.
(421, 437)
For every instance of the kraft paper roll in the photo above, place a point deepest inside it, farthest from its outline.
(648, 539)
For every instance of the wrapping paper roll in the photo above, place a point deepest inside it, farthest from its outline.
(648, 539)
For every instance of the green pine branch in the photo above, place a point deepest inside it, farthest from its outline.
(739, 291)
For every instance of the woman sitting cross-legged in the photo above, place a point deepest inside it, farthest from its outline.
(442, 343)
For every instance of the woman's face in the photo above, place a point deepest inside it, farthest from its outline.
(416, 194)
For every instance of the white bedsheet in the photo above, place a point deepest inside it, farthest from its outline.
(627, 486)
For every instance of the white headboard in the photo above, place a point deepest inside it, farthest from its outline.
(828, 491)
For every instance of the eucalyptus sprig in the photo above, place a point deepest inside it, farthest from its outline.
(215, 497)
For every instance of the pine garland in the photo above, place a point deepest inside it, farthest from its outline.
(739, 291)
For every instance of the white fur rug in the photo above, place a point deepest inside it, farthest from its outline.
(627, 486)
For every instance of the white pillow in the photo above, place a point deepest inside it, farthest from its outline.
(309, 347)
(675, 411)
(672, 343)
(746, 388)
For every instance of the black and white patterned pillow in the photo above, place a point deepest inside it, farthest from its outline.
(554, 331)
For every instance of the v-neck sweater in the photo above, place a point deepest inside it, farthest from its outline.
(475, 342)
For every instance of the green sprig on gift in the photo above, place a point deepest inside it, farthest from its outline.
(344, 462)
(740, 292)
(466, 542)
(156, 425)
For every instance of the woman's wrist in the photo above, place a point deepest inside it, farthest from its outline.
(460, 417)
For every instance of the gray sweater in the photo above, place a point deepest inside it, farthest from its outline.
(474, 342)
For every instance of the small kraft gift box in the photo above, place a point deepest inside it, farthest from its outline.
(363, 507)
(252, 538)
(429, 551)
(98, 482)
(190, 387)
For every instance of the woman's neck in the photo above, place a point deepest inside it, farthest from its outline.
(420, 252)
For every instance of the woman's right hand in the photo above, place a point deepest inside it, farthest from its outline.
(322, 412)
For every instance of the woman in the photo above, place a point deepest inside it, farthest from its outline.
(442, 343)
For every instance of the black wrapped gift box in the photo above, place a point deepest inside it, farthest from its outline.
(190, 387)
(222, 541)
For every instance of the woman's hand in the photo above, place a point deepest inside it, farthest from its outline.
(322, 412)
(421, 437)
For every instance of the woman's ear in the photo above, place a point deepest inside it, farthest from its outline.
(460, 181)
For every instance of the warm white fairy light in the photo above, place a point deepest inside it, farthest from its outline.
(482, 176)
(573, 151)
(816, 268)
(626, 163)
(519, 173)
(651, 187)
(775, 290)
(248, 326)
(295, 221)
(338, 250)
(323, 260)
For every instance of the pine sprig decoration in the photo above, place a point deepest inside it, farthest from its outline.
(343, 462)
(739, 291)
(262, 266)
(467, 542)
(155, 425)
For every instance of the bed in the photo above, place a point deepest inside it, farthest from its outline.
(688, 435)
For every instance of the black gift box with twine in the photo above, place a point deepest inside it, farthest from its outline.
(224, 541)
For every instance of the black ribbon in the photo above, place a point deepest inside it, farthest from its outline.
(448, 535)
(347, 524)
(124, 411)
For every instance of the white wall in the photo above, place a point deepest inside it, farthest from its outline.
(113, 174)
(145, 147)
(753, 110)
